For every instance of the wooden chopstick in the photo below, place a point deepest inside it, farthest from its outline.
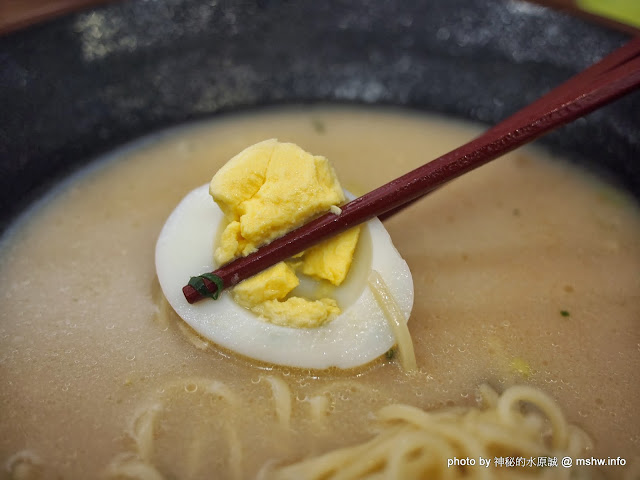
(572, 87)
(614, 76)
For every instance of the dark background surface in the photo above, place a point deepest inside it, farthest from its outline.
(81, 85)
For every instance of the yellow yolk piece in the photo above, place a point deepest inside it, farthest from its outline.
(331, 259)
(265, 191)
(273, 283)
(298, 312)
(270, 188)
(241, 177)
(232, 244)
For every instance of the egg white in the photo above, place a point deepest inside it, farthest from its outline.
(357, 336)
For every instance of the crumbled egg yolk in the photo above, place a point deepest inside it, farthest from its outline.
(331, 259)
(265, 191)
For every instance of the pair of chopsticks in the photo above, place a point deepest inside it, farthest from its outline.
(614, 76)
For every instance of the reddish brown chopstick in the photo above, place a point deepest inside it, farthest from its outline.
(18, 14)
(567, 90)
(613, 77)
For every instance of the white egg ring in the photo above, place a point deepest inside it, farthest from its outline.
(357, 336)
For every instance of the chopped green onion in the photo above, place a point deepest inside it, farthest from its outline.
(198, 284)
(318, 125)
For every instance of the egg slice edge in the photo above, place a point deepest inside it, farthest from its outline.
(357, 336)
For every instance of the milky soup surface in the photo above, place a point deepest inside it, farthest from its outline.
(526, 271)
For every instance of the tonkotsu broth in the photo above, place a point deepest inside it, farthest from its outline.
(496, 257)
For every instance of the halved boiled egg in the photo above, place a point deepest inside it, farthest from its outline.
(358, 335)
